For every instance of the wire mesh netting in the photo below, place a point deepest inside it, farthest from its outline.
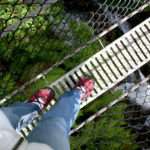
(44, 32)
(120, 119)
(42, 35)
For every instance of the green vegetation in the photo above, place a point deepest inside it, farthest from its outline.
(38, 43)
(97, 105)
(107, 133)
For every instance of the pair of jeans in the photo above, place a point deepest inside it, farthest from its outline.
(55, 125)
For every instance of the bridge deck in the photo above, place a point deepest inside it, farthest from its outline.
(109, 66)
(112, 64)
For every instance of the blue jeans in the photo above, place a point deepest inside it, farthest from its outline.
(55, 125)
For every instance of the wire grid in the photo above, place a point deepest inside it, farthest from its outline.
(120, 120)
(11, 27)
(30, 128)
(19, 30)
(99, 14)
(109, 13)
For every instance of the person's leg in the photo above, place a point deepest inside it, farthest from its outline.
(55, 125)
(37, 102)
(68, 107)
(16, 111)
(53, 129)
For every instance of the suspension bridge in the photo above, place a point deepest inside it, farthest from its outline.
(111, 65)
(108, 67)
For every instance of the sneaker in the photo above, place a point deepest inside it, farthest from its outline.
(42, 97)
(86, 85)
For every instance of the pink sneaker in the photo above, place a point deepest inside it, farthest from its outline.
(42, 97)
(87, 86)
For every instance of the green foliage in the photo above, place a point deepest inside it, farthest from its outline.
(35, 42)
(99, 103)
(85, 53)
(49, 78)
(107, 133)
(36, 45)
(81, 31)
(147, 9)
(7, 84)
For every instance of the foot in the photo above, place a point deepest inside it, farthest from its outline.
(42, 97)
(86, 85)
